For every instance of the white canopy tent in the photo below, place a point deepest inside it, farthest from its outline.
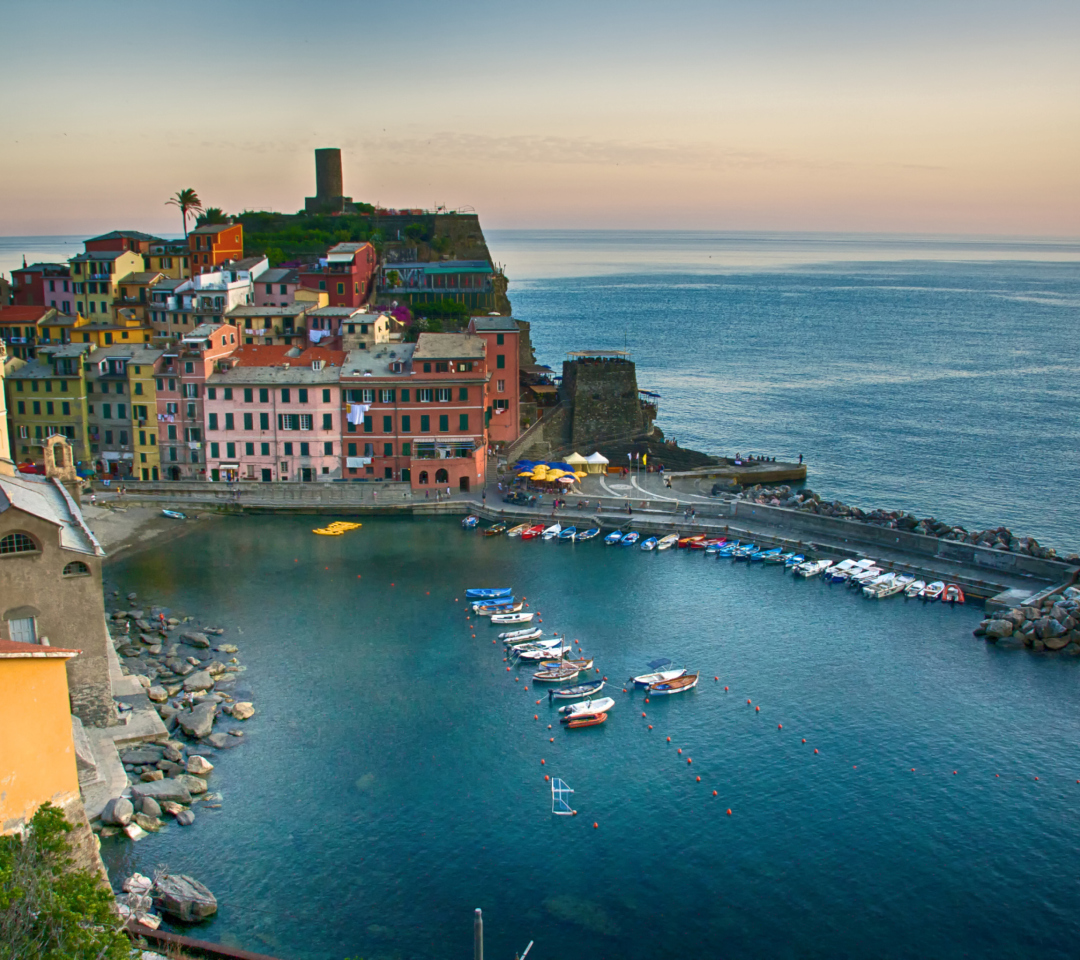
(597, 462)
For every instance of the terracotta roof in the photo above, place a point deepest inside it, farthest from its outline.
(13, 650)
(256, 355)
(20, 314)
(125, 235)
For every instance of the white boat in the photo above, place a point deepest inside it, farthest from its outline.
(544, 653)
(598, 705)
(526, 633)
(512, 617)
(666, 543)
(174, 514)
(658, 674)
(552, 532)
(914, 588)
(488, 611)
(883, 586)
(932, 591)
(540, 645)
(862, 578)
(811, 568)
(839, 572)
(559, 673)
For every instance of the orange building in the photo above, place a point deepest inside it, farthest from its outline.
(213, 244)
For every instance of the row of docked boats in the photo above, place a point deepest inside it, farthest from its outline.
(532, 531)
(877, 584)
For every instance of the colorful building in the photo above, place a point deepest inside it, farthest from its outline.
(126, 328)
(136, 290)
(118, 241)
(21, 328)
(5, 446)
(122, 411)
(501, 334)
(271, 325)
(350, 328)
(276, 287)
(170, 258)
(95, 277)
(32, 286)
(209, 246)
(469, 282)
(274, 413)
(345, 274)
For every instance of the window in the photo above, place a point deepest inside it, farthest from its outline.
(303, 394)
(444, 423)
(230, 450)
(387, 424)
(406, 450)
(215, 450)
(305, 449)
(211, 422)
(106, 409)
(285, 395)
(21, 406)
(288, 421)
(425, 396)
(500, 386)
(405, 395)
(367, 425)
(406, 424)
(76, 569)
(264, 395)
(443, 394)
(264, 421)
(328, 448)
(326, 395)
(500, 361)
(189, 366)
(500, 404)
(341, 288)
(248, 394)
(425, 423)
(24, 433)
(441, 476)
(287, 448)
(211, 393)
(172, 432)
(367, 396)
(387, 449)
(228, 393)
(442, 366)
(138, 387)
(17, 543)
(192, 434)
(386, 396)
(249, 421)
(172, 453)
(22, 630)
(463, 393)
(305, 421)
(328, 421)
(427, 368)
(249, 449)
(463, 422)
(270, 289)
(191, 390)
(499, 339)
(264, 449)
(322, 284)
(230, 422)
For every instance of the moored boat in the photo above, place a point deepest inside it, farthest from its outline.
(758, 556)
(811, 568)
(728, 549)
(531, 533)
(495, 529)
(881, 587)
(952, 594)
(540, 651)
(573, 693)
(630, 539)
(489, 610)
(666, 543)
(521, 617)
(701, 544)
(552, 532)
(649, 543)
(743, 553)
(599, 705)
(676, 685)
(586, 720)
(485, 593)
(657, 673)
(933, 591)
(772, 557)
(614, 537)
(713, 546)
(556, 674)
(568, 533)
(585, 663)
(469, 522)
(914, 588)
(518, 530)
(525, 633)
(793, 560)
(589, 534)
(685, 542)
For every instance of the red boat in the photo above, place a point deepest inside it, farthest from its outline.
(585, 720)
(534, 531)
(689, 541)
(952, 594)
(705, 544)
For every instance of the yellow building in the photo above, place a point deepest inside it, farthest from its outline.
(96, 277)
(122, 411)
(37, 750)
(5, 446)
(135, 291)
(126, 328)
(171, 258)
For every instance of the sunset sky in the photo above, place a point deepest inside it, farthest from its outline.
(946, 117)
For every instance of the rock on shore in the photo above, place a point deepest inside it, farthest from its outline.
(1049, 623)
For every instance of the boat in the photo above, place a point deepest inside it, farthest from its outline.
(526, 633)
(811, 568)
(542, 653)
(914, 588)
(546, 647)
(881, 586)
(586, 720)
(952, 594)
(518, 530)
(772, 556)
(630, 539)
(489, 610)
(686, 541)
(658, 674)
(486, 593)
(568, 533)
(649, 543)
(702, 544)
(932, 591)
(713, 546)
(614, 537)
(905, 580)
(532, 532)
(560, 798)
(495, 530)
(666, 543)
(728, 549)
(600, 705)
(174, 514)
(839, 572)
(677, 685)
(793, 560)
(743, 553)
(864, 577)
(585, 663)
(493, 602)
(469, 522)
(589, 534)
(758, 556)
(520, 617)
(589, 689)
(557, 674)
(552, 532)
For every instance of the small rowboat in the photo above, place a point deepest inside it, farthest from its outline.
(678, 685)
(773, 557)
(686, 541)
(589, 534)
(743, 553)
(658, 674)
(793, 560)
(666, 543)
(630, 539)
(174, 515)
(600, 705)
(704, 544)
(552, 532)
(914, 588)
(583, 664)
(469, 522)
(573, 693)
(649, 544)
(489, 610)
(518, 530)
(585, 720)
(714, 545)
(495, 530)
(762, 555)
(568, 533)
(512, 617)
(487, 593)
(555, 674)
(532, 532)
(614, 537)
(541, 653)
(933, 591)
(728, 549)
(952, 594)
(546, 647)
(522, 635)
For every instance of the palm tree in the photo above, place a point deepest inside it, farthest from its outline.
(211, 216)
(188, 201)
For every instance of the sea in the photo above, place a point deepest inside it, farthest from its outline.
(874, 780)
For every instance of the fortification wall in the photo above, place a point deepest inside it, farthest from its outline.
(604, 394)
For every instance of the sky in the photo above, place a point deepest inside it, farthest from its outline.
(831, 115)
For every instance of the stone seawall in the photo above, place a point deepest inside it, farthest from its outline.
(605, 398)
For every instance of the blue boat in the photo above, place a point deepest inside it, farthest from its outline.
(649, 544)
(728, 549)
(488, 593)
(614, 537)
(759, 555)
(589, 534)
(568, 533)
(469, 522)
(630, 539)
(743, 553)
(793, 560)
(492, 602)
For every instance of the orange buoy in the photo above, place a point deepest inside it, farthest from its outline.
(650, 727)
(546, 777)
(536, 716)
(680, 748)
(854, 767)
(574, 812)
(643, 713)
(517, 679)
(1036, 778)
(669, 739)
(391, 584)
(998, 775)
(358, 576)
(748, 703)
(714, 793)
(729, 811)
(597, 669)
(779, 726)
(605, 678)
(541, 763)
(646, 699)
(725, 689)
(689, 760)
(815, 749)
(428, 592)
(552, 739)
(804, 739)
(699, 779)
(758, 709)
(624, 689)
(595, 826)
(954, 773)
(538, 703)
(549, 726)
(455, 598)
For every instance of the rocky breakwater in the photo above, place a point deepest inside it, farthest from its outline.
(195, 683)
(1048, 623)
(806, 501)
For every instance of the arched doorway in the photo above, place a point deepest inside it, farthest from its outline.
(422, 480)
(463, 484)
(441, 476)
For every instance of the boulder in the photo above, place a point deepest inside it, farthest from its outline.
(199, 721)
(184, 897)
(227, 648)
(157, 694)
(195, 639)
(199, 766)
(1046, 627)
(1038, 646)
(1058, 612)
(134, 831)
(149, 824)
(243, 710)
(200, 680)
(1030, 613)
(218, 740)
(172, 808)
(1056, 643)
(160, 790)
(173, 752)
(142, 755)
(195, 785)
(1010, 643)
(149, 776)
(170, 769)
(996, 629)
(150, 807)
(118, 812)
(185, 818)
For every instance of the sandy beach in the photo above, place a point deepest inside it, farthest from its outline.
(122, 529)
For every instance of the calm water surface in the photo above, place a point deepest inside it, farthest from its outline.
(391, 779)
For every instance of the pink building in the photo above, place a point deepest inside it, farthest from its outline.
(500, 334)
(181, 394)
(274, 413)
(276, 287)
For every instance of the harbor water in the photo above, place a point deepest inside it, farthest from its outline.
(392, 778)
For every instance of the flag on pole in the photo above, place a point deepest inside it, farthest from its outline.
(644, 458)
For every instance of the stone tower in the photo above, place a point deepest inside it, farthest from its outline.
(329, 186)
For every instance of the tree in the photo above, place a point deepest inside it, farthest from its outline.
(188, 201)
(50, 910)
(211, 216)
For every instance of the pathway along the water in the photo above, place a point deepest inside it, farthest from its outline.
(394, 783)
